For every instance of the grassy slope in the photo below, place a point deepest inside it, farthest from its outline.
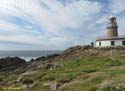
(80, 75)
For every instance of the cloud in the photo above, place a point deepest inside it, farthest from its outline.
(53, 24)
(117, 6)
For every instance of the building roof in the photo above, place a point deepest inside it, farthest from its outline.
(110, 38)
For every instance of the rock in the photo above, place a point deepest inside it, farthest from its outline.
(115, 84)
(24, 86)
(52, 65)
(47, 84)
(43, 58)
(75, 52)
(19, 78)
(49, 66)
(53, 86)
(27, 81)
(52, 56)
(42, 62)
(11, 64)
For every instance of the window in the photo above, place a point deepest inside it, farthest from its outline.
(112, 43)
(123, 42)
(99, 43)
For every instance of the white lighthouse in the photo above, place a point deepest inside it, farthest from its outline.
(112, 39)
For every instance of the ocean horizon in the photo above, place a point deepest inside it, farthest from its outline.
(27, 54)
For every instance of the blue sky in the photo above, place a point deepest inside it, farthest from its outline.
(56, 24)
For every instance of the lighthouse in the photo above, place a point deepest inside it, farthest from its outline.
(112, 39)
(112, 27)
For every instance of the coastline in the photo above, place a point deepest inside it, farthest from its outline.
(28, 54)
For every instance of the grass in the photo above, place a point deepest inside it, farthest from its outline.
(78, 75)
(116, 72)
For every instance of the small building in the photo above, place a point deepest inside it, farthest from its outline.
(112, 39)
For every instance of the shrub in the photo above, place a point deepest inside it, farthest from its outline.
(93, 89)
(89, 70)
(1, 79)
(27, 81)
(49, 78)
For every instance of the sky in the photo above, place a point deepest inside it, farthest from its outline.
(56, 24)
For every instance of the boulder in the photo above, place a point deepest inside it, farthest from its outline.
(52, 56)
(9, 64)
(53, 86)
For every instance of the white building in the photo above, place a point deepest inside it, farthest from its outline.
(112, 40)
(108, 42)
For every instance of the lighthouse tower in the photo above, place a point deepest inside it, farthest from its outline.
(112, 27)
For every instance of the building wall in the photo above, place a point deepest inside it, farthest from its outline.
(107, 43)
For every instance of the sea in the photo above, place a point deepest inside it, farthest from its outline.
(28, 54)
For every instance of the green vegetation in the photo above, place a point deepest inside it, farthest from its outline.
(89, 74)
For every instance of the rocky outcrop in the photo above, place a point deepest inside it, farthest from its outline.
(73, 53)
(76, 52)
(53, 61)
(44, 63)
(9, 64)
(81, 52)
(44, 58)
